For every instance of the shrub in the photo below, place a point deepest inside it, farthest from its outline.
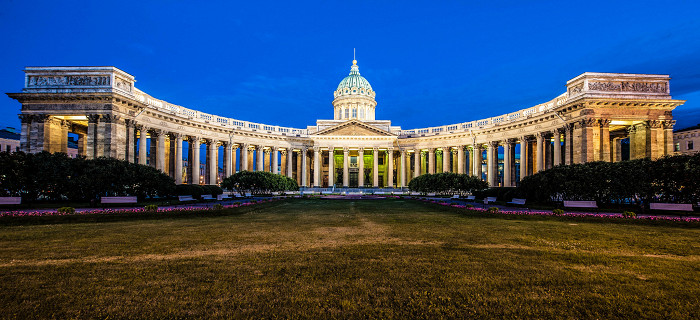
(66, 210)
(151, 208)
(629, 214)
(492, 210)
(558, 212)
(469, 205)
(236, 203)
(218, 206)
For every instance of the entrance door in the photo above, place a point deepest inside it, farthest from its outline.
(353, 179)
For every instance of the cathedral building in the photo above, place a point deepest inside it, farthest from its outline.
(591, 121)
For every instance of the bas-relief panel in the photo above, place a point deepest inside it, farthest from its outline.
(625, 86)
(352, 130)
(46, 81)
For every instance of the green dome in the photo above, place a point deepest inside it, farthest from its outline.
(354, 81)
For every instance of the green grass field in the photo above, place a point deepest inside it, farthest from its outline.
(349, 259)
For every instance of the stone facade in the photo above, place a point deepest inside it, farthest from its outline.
(113, 118)
(687, 141)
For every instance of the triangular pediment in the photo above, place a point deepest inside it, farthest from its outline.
(353, 128)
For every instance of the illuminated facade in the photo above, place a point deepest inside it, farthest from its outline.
(112, 118)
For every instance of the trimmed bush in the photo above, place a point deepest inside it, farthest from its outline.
(629, 214)
(218, 206)
(151, 208)
(66, 210)
(493, 210)
(259, 182)
(558, 212)
(446, 183)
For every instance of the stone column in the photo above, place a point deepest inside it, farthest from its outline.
(507, 164)
(194, 161)
(26, 120)
(82, 144)
(143, 140)
(331, 167)
(523, 157)
(130, 140)
(446, 159)
(478, 158)
(431, 160)
(228, 159)
(616, 152)
(304, 167)
(361, 166)
(557, 147)
(540, 151)
(375, 167)
(346, 171)
(568, 143)
(668, 136)
(290, 163)
(93, 119)
(470, 166)
(259, 156)
(213, 161)
(160, 150)
(317, 167)
(416, 163)
(244, 156)
(655, 139)
(604, 143)
(588, 149)
(390, 167)
(178, 158)
(275, 160)
(402, 182)
(285, 166)
(492, 172)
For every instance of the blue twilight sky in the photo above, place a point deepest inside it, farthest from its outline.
(431, 63)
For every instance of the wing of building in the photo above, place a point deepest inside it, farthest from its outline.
(600, 117)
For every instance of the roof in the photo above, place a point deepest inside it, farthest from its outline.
(6, 134)
(354, 80)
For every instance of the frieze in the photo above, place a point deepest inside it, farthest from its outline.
(576, 89)
(652, 87)
(51, 81)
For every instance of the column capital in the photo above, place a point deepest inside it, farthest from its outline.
(668, 124)
(361, 150)
(431, 150)
(375, 149)
(195, 139)
(260, 147)
(266, 151)
(493, 144)
(25, 118)
(590, 122)
(403, 150)
(509, 141)
(604, 122)
(317, 149)
(653, 123)
(176, 135)
(130, 123)
(155, 132)
(283, 152)
(274, 148)
(92, 118)
(346, 150)
(541, 135)
(110, 118)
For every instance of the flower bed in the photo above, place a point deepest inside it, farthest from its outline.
(166, 210)
(570, 214)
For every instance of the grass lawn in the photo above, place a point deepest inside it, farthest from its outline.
(350, 259)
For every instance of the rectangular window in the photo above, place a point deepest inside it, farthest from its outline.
(354, 112)
(347, 113)
(8, 148)
(677, 147)
(690, 145)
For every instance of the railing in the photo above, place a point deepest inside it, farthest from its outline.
(490, 122)
(198, 116)
(251, 126)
